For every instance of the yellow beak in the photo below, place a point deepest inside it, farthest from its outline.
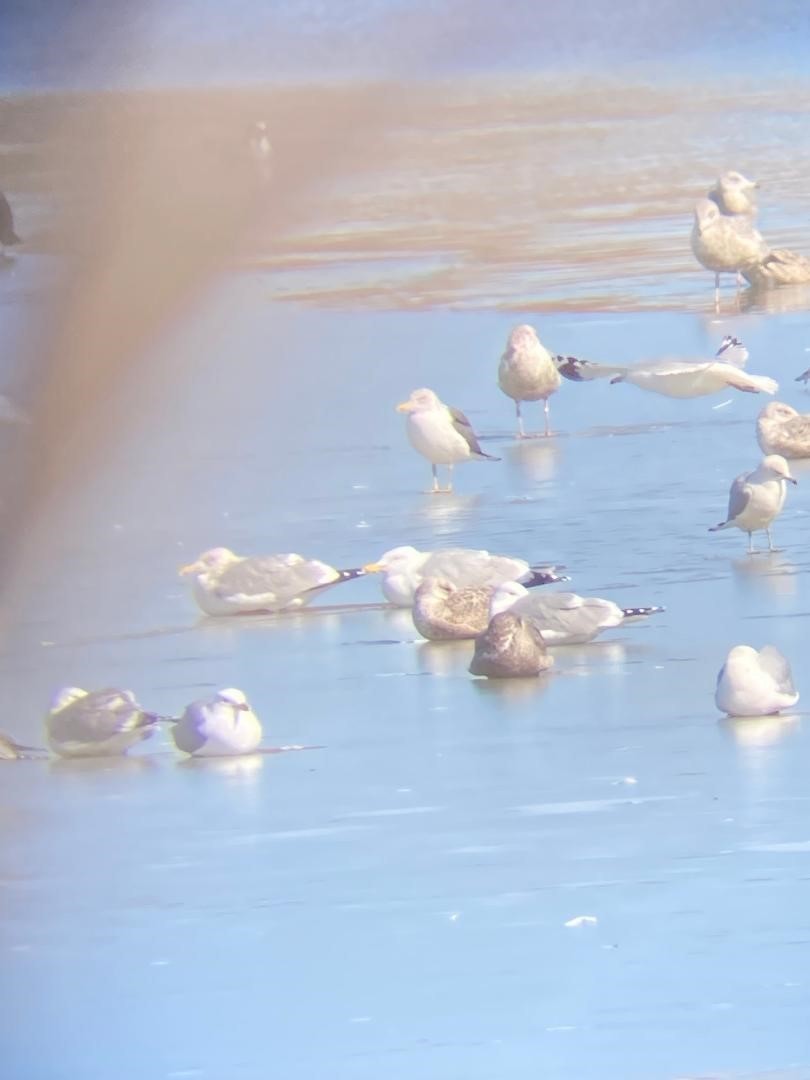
(191, 568)
(373, 568)
(404, 406)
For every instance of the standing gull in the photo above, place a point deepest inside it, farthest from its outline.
(724, 244)
(564, 618)
(783, 430)
(223, 726)
(527, 372)
(404, 569)
(440, 433)
(96, 723)
(227, 584)
(756, 498)
(752, 683)
(678, 378)
(510, 647)
(8, 236)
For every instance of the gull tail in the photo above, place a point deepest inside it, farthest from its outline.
(722, 525)
(634, 612)
(804, 377)
(544, 575)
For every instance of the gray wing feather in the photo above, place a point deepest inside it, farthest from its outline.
(187, 734)
(274, 576)
(772, 661)
(98, 715)
(738, 497)
(463, 566)
(464, 428)
(569, 614)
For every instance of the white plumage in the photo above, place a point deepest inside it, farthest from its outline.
(223, 726)
(752, 683)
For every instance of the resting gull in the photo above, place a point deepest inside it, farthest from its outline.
(678, 378)
(510, 647)
(783, 430)
(752, 683)
(440, 433)
(731, 194)
(223, 726)
(527, 372)
(227, 584)
(443, 611)
(404, 569)
(756, 498)
(563, 618)
(96, 723)
(778, 267)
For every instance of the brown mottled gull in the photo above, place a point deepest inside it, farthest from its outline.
(96, 723)
(510, 647)
(783, 430)
(443, 611)
(527, 372)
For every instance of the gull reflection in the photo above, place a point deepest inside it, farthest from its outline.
(515, 689)
(785, 298)
(244, 767)
(118, 764)
(446, 511)
(757, 731)
(594, 652)
(770, 571)
(534, 459)
(444, 657)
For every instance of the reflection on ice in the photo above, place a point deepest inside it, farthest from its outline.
(753, 731)
(444, 657)
(446, 512)
(535, 460)
(242, 768)
(515, 689)
(768, 570)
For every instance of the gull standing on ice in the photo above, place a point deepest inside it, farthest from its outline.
(756, 498)
(510, 647)
(678, 378)
(227, 584)
(752, 683)
(96, 723)
(224, 726)
(527, 372)
(564, 618)
(404, 569)
(440, 433)
(783, 430)
(724, 244)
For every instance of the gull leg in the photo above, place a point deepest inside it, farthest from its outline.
(449, 487)
(435, 489)
(521, 434)
(770, 540)
(750, 543)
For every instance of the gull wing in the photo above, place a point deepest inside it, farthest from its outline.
(738, 497)
(772, 661)
(465, 429)
(273, 579)
(741, 380)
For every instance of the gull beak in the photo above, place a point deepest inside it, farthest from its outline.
(373, 568)
(792, 480)
(405, 406)
(191, 568)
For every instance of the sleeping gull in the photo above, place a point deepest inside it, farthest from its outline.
(227, 584)
(756, 498)
(527, 372)
(510, 647)
(11, 750)
(752, 683)
(8, 236)
(778, 267)
(564, 618)
(724, 244)
(678, 378)
(783, 430)
(440, 433)
(223, 726)
(404, 569)
(96, 723)
(731, 194)
(443, 611)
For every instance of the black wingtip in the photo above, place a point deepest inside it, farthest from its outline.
(568, 367)
(804, 377)
(633, 612)
(349, 575)
(545, 575)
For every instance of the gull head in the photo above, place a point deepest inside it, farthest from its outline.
(742, 655)
(397, 559)
(779, 411)
(214, 559)
(420, 401)
(505, 596)
(523, 336)
(66, 696)
(778, 467)
(232, 696)
(707, 215)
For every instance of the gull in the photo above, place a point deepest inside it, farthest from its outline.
(440, 433)
(404, 569)
(510, 647)
(443, 611)
(731, 194)
(778, 267)
(96, 723)
(752, 683)
(783, 430)
(227, 584)
(8, 237)
(11, 750)
(756, 498)
(223, 726)
(527, 372)
(260, 146)
(564, 618)
(724, 244)
(678, 378)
